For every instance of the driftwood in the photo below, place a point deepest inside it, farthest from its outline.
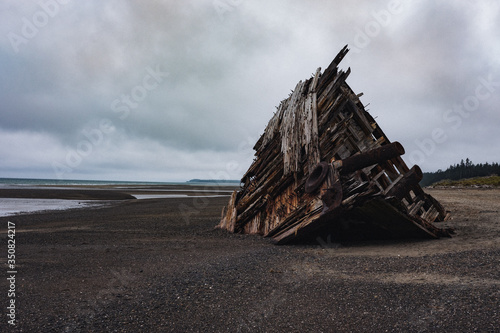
(324, 167)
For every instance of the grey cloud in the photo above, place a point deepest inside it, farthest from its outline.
(227, 73)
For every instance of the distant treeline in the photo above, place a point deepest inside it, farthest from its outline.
(464, 169)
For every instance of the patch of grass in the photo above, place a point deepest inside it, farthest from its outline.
(477, 181)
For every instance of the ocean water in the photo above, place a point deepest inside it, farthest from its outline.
(16, 206)
(37, 182)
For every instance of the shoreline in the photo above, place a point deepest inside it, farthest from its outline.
(160, 265)
(29, 199)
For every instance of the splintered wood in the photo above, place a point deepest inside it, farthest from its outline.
(324, 167)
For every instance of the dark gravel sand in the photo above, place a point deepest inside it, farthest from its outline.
(159, 266)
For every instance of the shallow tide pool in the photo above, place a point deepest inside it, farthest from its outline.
(15, 206)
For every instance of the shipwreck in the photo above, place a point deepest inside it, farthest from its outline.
(323, 167)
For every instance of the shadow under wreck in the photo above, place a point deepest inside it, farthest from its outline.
(324, 167)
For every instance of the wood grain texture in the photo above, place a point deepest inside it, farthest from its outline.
(324, 120)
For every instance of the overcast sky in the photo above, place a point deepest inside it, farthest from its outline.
(173, 90)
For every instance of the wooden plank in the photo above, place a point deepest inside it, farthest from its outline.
(322, 120)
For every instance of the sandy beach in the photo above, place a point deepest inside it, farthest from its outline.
(159, 265)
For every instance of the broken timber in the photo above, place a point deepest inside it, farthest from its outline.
(324, 167)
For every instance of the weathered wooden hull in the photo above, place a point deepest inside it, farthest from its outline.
(324, 166)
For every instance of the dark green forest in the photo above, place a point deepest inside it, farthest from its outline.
(464, 169)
